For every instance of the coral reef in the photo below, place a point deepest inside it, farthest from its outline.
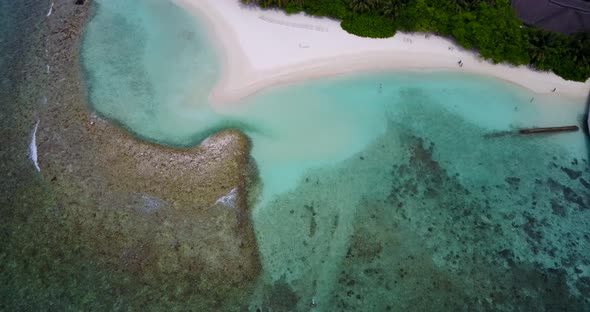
(111, 220)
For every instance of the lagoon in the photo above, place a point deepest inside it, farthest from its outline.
(379, 191)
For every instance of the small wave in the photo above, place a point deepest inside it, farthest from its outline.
(33, 148)
(149, 204)
(229, 200)
(50, 10)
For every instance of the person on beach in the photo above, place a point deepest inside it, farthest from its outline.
(554, 89)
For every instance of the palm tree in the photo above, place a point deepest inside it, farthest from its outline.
(361, 6)
(581, 47)
(389, 8)
(392, 8)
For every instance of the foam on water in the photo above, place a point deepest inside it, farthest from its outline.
(33, 147)
(380, 192)
(229, 200)
(50, 10)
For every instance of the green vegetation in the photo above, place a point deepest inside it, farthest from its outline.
(366, 25)
(488, 26)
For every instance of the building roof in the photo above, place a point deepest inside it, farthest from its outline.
(564, 16)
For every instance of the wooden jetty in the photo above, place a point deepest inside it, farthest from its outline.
(549, 130)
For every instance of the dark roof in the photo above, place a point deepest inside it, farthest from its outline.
(564, 16)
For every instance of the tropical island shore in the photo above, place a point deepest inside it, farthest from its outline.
(263, 48)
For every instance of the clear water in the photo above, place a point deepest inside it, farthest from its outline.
(398, 191)
(421, 161)
(141, 58)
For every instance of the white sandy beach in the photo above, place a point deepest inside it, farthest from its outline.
(264, 48)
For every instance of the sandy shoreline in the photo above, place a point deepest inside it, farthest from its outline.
(266, 48)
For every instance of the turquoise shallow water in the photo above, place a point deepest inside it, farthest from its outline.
(398, 191)
(141, 58)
